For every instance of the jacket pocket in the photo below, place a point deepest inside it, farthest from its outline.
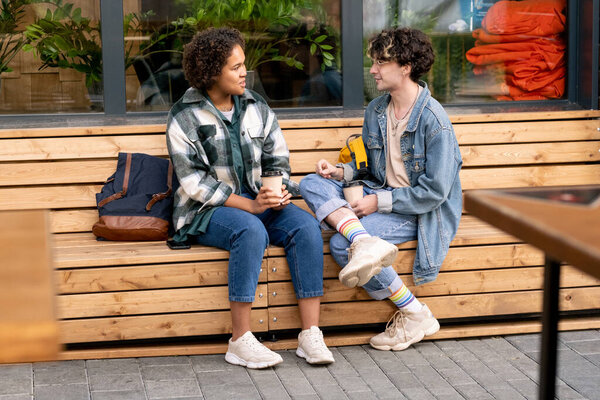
(204, 139)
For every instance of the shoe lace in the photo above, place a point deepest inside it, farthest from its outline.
(398, 321)
(316, 340)
(253, 343)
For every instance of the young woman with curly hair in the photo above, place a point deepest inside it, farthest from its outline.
(221, 137)
(412, 191)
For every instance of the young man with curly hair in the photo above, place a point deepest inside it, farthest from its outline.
(412, 190)
(221, 137)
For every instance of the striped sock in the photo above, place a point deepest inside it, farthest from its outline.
(403, 298)
(351, 228)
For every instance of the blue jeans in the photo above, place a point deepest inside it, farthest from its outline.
(324, 196)
(246, 236)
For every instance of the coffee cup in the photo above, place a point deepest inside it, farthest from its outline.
(273, 180)
(353, 191)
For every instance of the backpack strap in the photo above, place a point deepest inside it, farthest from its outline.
(161, 196)
(125, 184)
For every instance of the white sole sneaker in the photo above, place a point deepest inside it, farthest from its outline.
(312, 360)
(357, 273)
(233, 359)
(430, 330)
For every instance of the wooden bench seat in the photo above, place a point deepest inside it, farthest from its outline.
(121, 291)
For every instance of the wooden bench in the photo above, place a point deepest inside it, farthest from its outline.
(117, 299)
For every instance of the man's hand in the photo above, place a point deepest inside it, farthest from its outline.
(365, 206)
(329, 171)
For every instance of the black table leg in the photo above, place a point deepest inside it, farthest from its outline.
(549, 329)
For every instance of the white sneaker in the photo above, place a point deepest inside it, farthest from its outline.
(366, 257)
(249, 352)
(406, 328)
(312, 348)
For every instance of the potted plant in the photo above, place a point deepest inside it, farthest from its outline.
(12, 39)
(63, 38)
(272, 29)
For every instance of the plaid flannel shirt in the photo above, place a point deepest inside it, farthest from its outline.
(200, 148)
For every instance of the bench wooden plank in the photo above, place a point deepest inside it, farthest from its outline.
(458, 306)
(155, 326)
(150, 302)
(331, 338)
(458, 259)
(447, 283)
(527, 132)
(143, 277)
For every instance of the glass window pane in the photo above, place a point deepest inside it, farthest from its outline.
(292, 48)
(50, 57)
(486, 50)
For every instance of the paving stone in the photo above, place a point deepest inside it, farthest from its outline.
(386, 360)
(16, 386)
(341, 366)
(112, 366)
(411, 357)
(506, 392)
(360, 360)
(382, 387)
(417, 394)
(436, 357)
(223, 392)
(352, 383)
(211, 362)
(405, 380)
(19, 371)
(456, 376)
(77, 391)
(566, 392)
(59, 373)
(494, 361)
(429, 377)
(119, 395)
(594, 359)
(172, 388)
(17, 397)
(587, 347)
(364, 396)
(448, 393)
(526, 387)
(455, 351)
(167, 372)
(473, 392)
(330, 392)
(172, 360)
(132, 382)
(317, 375)
(576, 336)
(306, 397)
(268, 384)
(237, 376)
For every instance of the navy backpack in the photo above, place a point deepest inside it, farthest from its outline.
(136, 202)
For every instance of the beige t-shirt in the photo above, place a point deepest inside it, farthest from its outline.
(395, 173)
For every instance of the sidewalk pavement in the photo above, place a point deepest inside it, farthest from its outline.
(487, 368)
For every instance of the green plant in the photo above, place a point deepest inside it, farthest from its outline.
(268, 26)
(12, 39)
(63, 38)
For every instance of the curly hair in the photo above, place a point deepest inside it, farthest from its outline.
(406, 46)
(206, 54)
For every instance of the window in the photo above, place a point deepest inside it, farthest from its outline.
(292, 49)
(486, 50)
(51, 57)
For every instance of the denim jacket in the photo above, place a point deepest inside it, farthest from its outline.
(432, 160)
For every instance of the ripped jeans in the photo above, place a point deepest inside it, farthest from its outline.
(324, 196)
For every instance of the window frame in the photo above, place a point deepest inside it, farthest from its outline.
(582, 70)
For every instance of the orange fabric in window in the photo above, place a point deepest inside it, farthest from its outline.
(520, 43)
(532, 17)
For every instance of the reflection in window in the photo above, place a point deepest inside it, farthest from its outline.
(292, 49)
(55, 57)
(486, 50)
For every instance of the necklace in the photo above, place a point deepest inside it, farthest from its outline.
(395, 121)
